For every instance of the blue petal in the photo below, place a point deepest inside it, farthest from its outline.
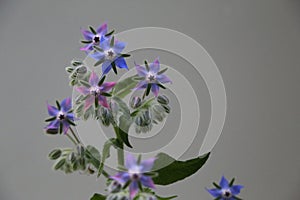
(106, 67)
(155, 89)
(66, 104)
(154, 67)
(214, 192)
(147, 182)
(52, 111)
(118, 47)
(104, 43)
(236, 189)
(130, 161)
(121, 63)
(53, 125)
(97, 55)
(224, 183)
(102, 29)
(133, 189)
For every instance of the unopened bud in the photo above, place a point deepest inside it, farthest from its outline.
(163, 99)
(135, 102)
(55, 154)
(76, 63)
(114, 187)
(59, 164)
(72, 157)
(81, 70)
(52, 131)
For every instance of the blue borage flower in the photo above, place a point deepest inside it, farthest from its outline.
(225, 190)
(135, 174)
(152, 77)
(108, 53)
(95, 91)
(61, 117)
(93, 37)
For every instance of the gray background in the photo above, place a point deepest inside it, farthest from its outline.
(254, 43)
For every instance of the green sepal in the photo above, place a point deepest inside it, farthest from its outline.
(93, 30)
(162, 71)
(50, 119)
(110, 33)
(86, 42)
(98, 197)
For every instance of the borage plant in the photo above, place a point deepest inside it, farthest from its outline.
(100, 100)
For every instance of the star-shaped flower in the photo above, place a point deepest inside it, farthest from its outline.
(61, 117)
(135, 174)
(152, 77)
(95, 91)
(225, 190)
(93, 37)
(108, 52)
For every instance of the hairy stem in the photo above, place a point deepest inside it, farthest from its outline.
(75, 136)
(71, 139)
(120, 151)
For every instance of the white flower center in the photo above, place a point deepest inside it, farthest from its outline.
(110, 54)
(226, 193)
(96, 39)
(151, 77)
(95, 90)
(135, 172)
(60, 115)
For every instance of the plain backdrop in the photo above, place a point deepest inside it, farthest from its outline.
(254, 43)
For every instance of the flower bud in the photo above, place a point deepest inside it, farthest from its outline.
(80, 150)
(114, 187)
(81, 70)
(59, 164)
(135, 102)
(106, 116)
(55, 154)
(76, 63)
(52, 131)
(72, 157)
(163, 99)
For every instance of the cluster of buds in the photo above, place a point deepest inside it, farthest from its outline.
(77, 71)
(71, 160)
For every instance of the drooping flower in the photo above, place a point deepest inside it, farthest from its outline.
(225, 190)
(61, 117)
(108, 52)
(152, 77)
(135, 174)
(93, 37)
(95, 91)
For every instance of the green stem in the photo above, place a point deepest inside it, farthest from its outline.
(71, 139)
(75, 136)
(120, 151)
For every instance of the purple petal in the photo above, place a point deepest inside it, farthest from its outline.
(98, 55)
(121, 63)
(71, 116)
(87, 47)
(88, 102)
(105, 43)
(107, 86)
(94, 79)
(147, 164)
(53, 125)
(236, 189)
(66, 127)
(141, 71)
(102, 29)
(119, 46)
(154, 67)
(106, 67)
(121, 177)
(66, 104)
(141, 85)
(83, 90)
(133, 189)
(87, 34)
(52, 111)
(130, 161)
(163, 78)
(155, 89)
(224, 183)
(215, 192)
(147, 182)
(103, 101)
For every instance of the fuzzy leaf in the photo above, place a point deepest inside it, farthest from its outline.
(124, 87)
(180, 169)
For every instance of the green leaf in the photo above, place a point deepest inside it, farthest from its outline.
(106, 154)
(98, 197)
(165, 198)
(124, 87)
(93, 155)
(122, 131)
(176, 170)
